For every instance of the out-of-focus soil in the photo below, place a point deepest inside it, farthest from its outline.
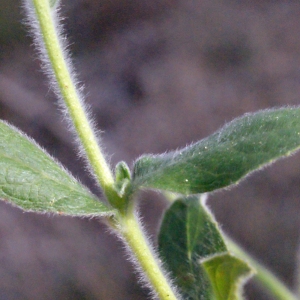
(158, 75)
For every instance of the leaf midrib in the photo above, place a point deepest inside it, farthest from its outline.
(71, 185)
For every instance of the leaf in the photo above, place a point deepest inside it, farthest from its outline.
(122, 172)
(227, 274)
(240, 147)
(33, 181)
(123, 178)
(189, 233)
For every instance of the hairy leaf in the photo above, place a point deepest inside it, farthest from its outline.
(227, 274)
(240, 147)
(189, 233)
(122, 172)
(123, 178)
(33, 181)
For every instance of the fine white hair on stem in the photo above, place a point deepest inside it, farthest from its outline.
(141, 276)
(54, 3)
(33, 23)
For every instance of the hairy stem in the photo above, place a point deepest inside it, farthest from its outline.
(268, 280)
(127, 225)
(70, 95)
(150, 266)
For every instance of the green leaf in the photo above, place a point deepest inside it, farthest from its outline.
(122, 172)
(189, 233)
(123, 178)
(227, 274)
(242, 146)
(33, 181)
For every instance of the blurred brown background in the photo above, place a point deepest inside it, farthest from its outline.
(158, 74)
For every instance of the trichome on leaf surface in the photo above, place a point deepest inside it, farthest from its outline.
(194, 259)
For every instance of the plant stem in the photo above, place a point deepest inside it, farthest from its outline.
(127, 225)
(130, 229)
(268, 280)
(71, 96)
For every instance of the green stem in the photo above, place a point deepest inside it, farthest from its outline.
(277, 288)
(127, 225)
(130, 229)
(71, 96)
